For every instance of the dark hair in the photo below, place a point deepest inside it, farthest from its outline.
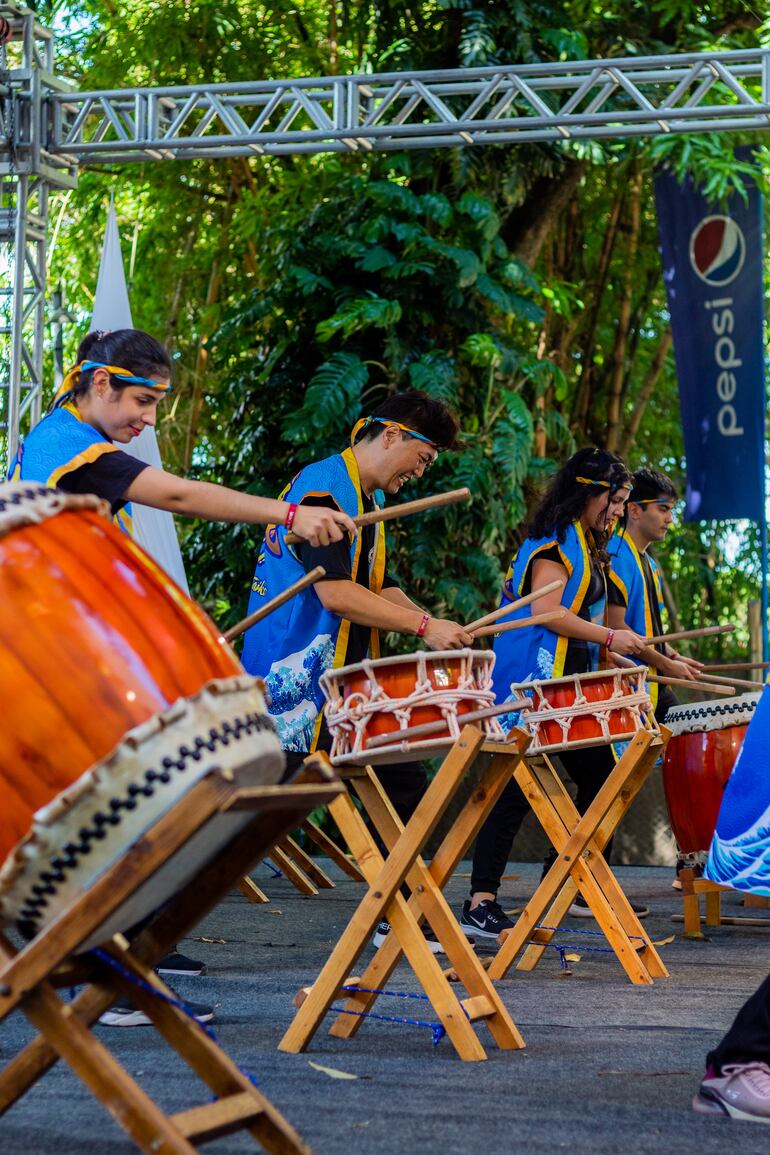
(130, 349)
(647, 484)
(566, 497)
(420, 412)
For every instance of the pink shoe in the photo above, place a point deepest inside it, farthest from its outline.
(742, 1091)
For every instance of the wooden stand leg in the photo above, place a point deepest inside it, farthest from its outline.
(384, 879)
(332, 850)
(290, 870)
(251, 891)
(579, 842)
(313, 871)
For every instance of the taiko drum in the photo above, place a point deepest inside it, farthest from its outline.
(95, 639)
(698, 761)
(398, 680)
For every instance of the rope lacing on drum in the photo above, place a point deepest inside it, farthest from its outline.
(348, 722)
(542, 711)
(67, 859)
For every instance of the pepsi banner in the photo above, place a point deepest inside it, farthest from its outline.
(712, 267)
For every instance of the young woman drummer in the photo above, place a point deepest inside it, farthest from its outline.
(110, 395)
(566, 541)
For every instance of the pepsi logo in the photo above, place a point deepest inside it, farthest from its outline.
(717, 250)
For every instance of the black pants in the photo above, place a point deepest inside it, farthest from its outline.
(404, 785)
(588, 768)
(749, 1037)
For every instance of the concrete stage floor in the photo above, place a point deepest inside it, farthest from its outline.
(608, 1067)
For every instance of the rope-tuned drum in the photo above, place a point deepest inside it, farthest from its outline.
(124, 696)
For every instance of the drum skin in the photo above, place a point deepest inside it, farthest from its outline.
(696, 767)
(398, 680)
(583, 729)
(94, 639)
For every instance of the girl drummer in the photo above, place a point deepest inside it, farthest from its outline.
(567, 536)
(110, 395)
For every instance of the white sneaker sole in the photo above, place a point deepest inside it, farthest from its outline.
(378, 940)
(718, 1107)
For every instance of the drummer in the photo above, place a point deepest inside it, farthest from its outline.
(110, 395)
(337, 621)
(635, 594)
(567, 539)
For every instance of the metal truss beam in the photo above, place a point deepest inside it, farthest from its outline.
(577, 101)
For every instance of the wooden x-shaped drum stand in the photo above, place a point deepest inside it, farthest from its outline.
(383, 900)
(227, 829)
(580, 866)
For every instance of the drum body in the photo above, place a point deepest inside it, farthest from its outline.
(697, 763)
(591, 709)
(384, 695)
(123, 695)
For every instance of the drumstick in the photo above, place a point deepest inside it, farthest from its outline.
(434, 727)
(521, 624)
(713, 687)
(295, 588)
(740, 683)
(404, 510)
(704, 632)
(738, 666)
(517, 605)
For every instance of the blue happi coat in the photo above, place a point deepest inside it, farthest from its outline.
(295, 644)
(60, 444)
(627, 574)
(538, 652)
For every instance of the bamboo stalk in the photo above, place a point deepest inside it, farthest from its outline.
(405, 510)
(517, 605)
(535, 620)
(703, 632)
(428, 728)
(275, 603)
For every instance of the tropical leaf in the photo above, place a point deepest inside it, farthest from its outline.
(376, 259)
(361, 313)
(308, 281)
(482, 212)
(332, 400)
(481, 349)
(436, 207)
(396, 197)
(436, 374)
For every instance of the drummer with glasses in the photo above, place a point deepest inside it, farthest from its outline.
(567, 537)
(337, 621)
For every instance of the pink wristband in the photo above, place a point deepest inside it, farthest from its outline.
(610, 637)
(289, 522)
(423, 625)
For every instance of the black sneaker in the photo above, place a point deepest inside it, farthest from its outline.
(127, 1015)
(487, 919)
(176, 963)
(581, 909)
(383, 930)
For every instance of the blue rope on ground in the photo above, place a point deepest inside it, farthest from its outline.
(562, 948)
(276, 872)
(437, 1029)
(180, 1004)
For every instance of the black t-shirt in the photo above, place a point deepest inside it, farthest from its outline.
(335, 559)
(576, 659)
(616, 598)
(109, 476)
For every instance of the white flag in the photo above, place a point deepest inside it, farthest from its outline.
(154, 529)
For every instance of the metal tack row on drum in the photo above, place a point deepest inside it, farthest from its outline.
(122, 694)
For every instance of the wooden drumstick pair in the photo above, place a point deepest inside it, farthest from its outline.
(377, 515)
(714, 686)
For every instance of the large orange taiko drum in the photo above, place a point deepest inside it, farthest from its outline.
(381, 696)
(119, 695)
(698, 761)
(589, 709)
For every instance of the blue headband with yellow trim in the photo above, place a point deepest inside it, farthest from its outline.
(69, 382)
(362, 425)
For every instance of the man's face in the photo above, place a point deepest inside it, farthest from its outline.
(652, 518)
(403, 458)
